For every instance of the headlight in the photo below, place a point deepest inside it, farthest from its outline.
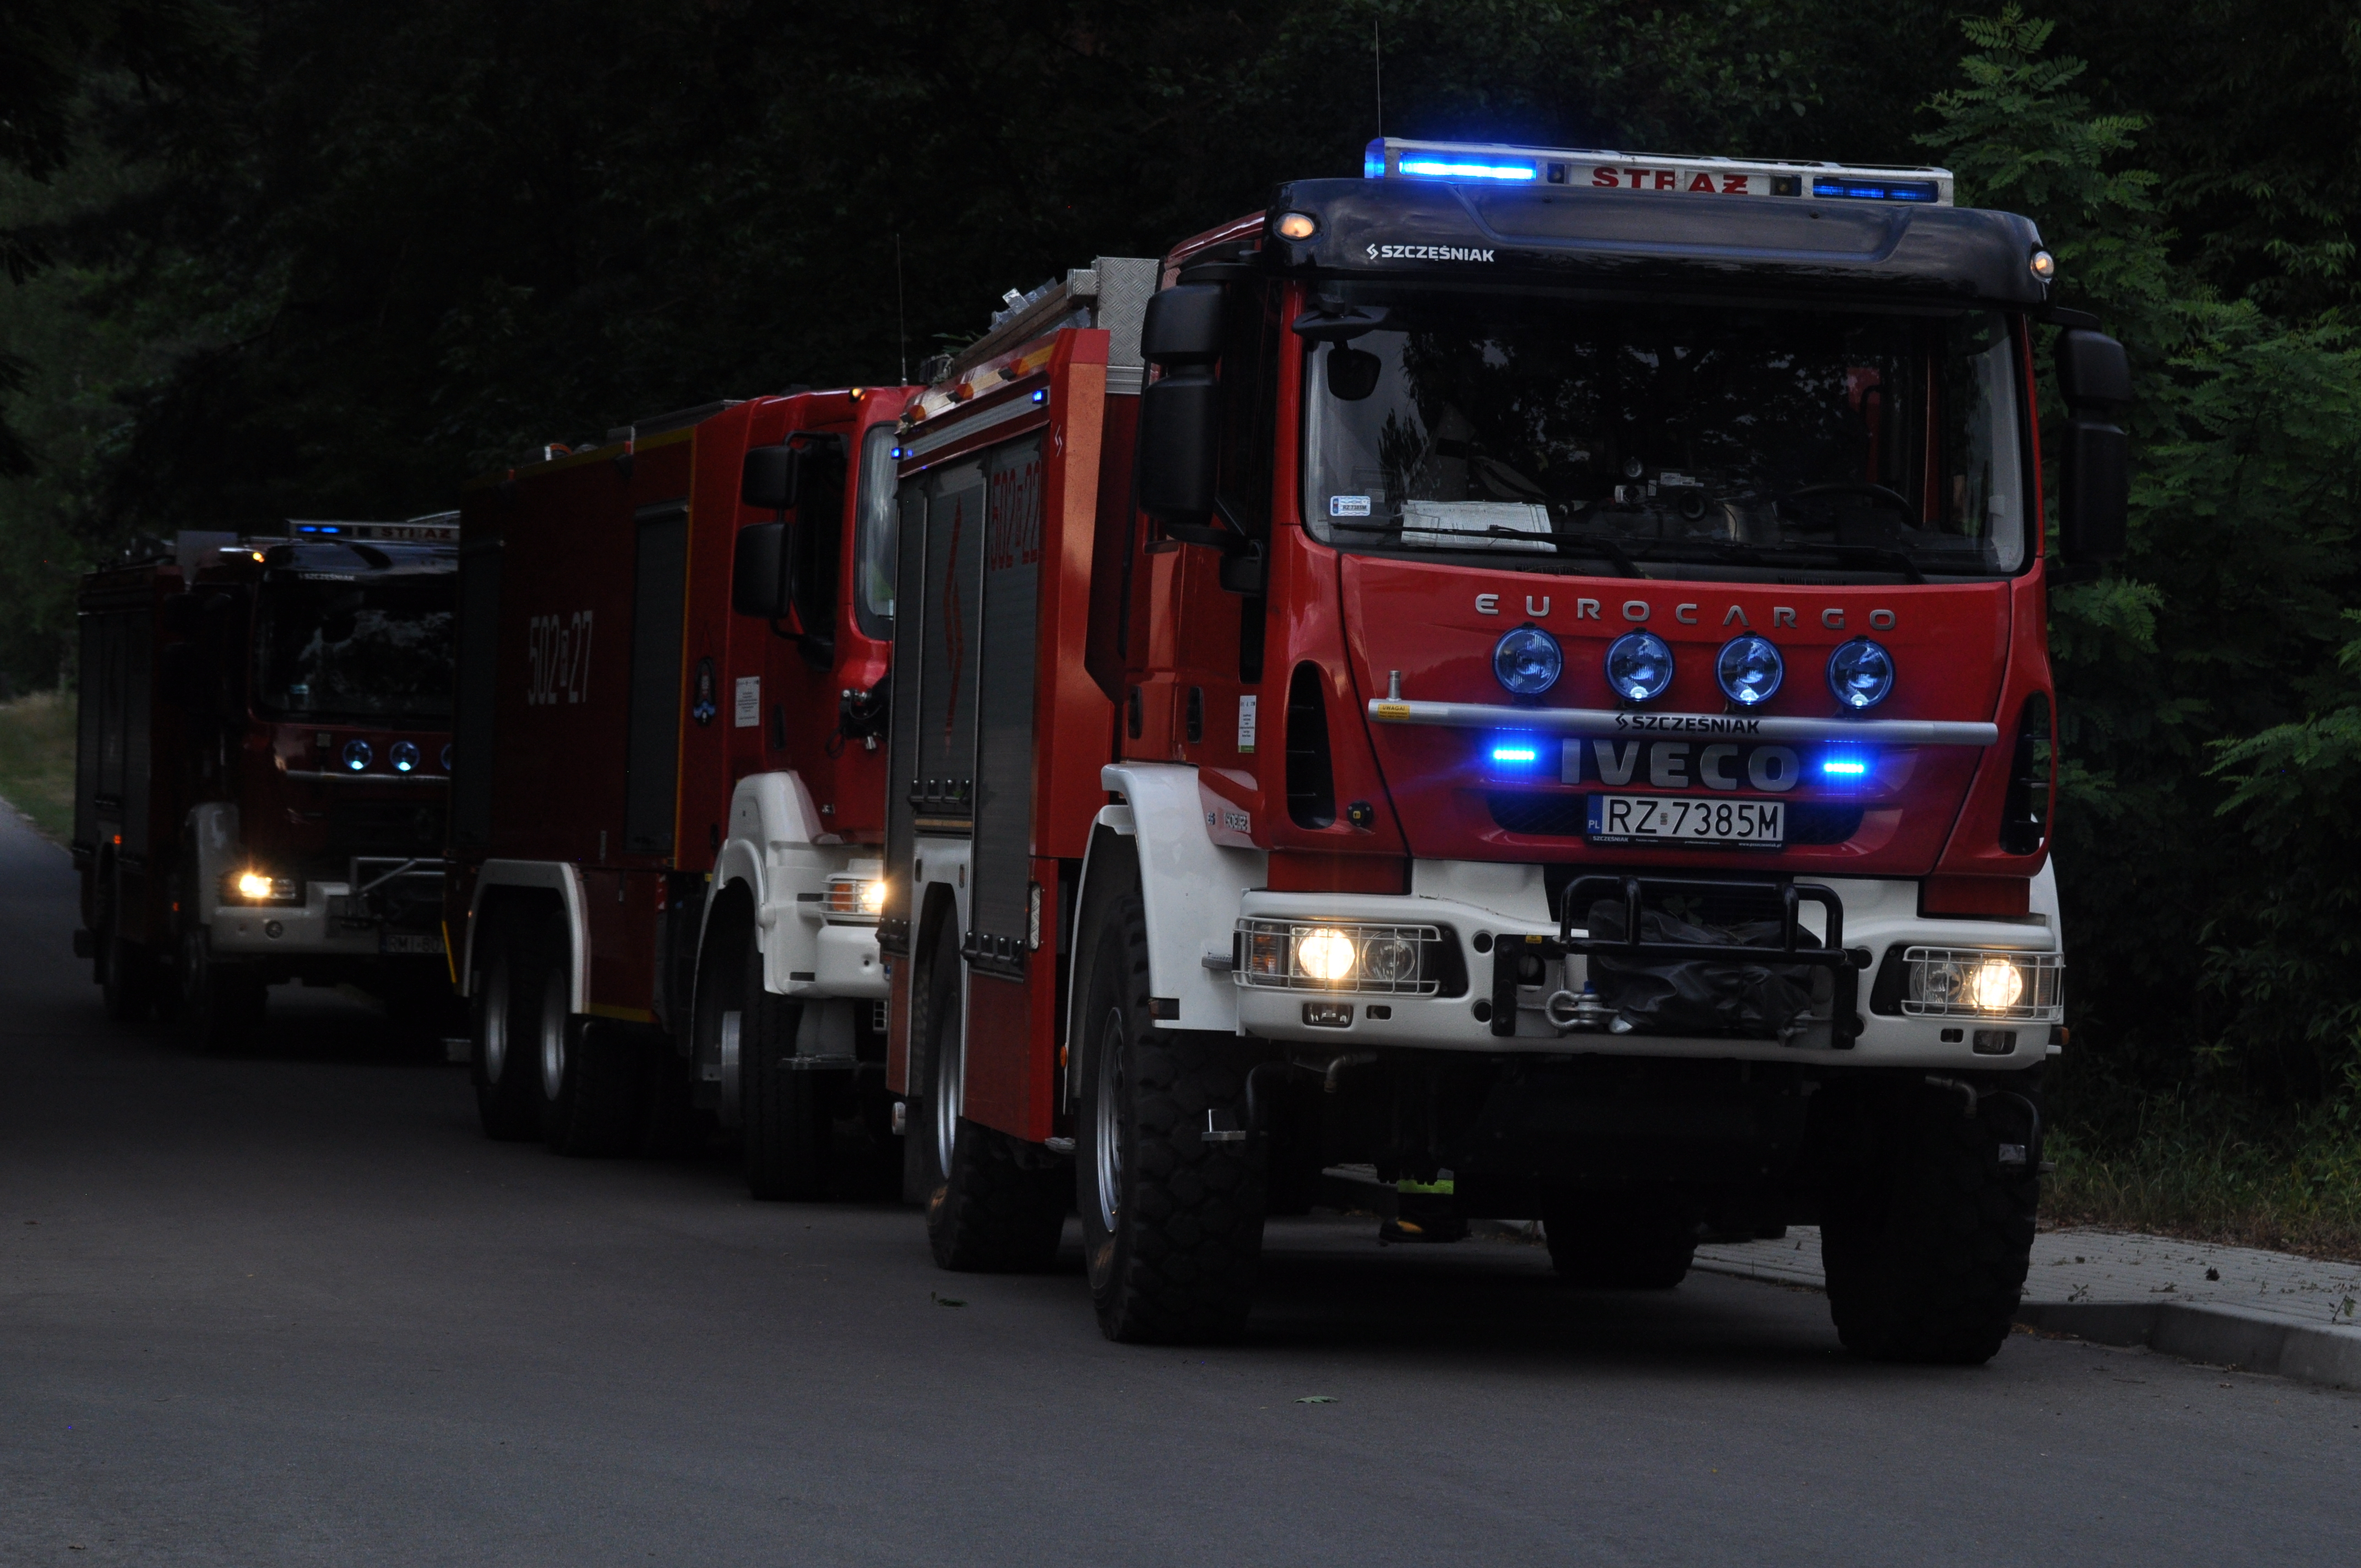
(1638, 666)
(1948, 982)
(404, 757)
(1527, 661)
(853, 898)
(356, 756)
(1861, 673)
(1748, 670)
(1324, 954)
(252, 886)
(1340, 956)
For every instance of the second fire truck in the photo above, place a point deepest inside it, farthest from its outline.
(1564, 717)
(668, 816)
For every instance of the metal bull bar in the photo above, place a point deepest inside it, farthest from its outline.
(1844, 1025)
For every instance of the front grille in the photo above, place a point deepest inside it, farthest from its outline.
(385, 827)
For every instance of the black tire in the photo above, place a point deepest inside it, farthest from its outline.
(593, 1075)
(502, 1064)
(127, 975)
(993, 1207)
(1925, 1242)
(1619, 1241)
(221, 1003)
(786, 1126)
(1172, 1224)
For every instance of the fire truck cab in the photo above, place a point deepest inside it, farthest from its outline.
(673, 649)
(1526, 671)
(263, 768)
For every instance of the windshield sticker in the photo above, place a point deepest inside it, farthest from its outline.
(1427, 253)
(1348, 506)
(746, 710)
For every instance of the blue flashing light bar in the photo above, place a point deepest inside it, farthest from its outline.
(1041, 395)
(317, 528)
(1515, 754)
(1845, 767)
(1877, 189)
(1438, 169)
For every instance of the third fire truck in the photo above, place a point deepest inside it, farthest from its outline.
(1525, 670)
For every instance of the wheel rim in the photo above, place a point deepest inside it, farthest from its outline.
(947, 1088)
(553, 1037)
(1106, 1121)
(496, 1020)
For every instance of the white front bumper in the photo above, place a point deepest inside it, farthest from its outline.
(1877, 914)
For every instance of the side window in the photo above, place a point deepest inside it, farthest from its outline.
(876, 537)
(1249, 374)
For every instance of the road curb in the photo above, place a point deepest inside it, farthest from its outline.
(2220, 1336)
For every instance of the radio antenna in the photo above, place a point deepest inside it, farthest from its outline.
(901, 318)
(1378, 56)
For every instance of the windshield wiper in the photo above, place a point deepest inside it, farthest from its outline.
(1607, 549)
(1761, 556)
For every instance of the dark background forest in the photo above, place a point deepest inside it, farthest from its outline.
(274, 258)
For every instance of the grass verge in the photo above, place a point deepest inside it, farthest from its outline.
(2217, 1173)
(37, 760)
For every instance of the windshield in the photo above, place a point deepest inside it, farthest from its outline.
(366, 650)
(1724, 440)
(874, 554)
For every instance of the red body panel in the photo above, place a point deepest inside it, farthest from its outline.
(564, 653)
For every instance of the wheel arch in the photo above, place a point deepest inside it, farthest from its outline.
(1190, 886)
(505, 887)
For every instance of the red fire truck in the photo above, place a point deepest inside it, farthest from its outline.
(1542, 692)
(667, 813)
(263, 762)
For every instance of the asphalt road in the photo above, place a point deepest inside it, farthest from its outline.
(292, 1308)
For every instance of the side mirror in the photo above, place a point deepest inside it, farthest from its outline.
(1180, 414)
(2094, 473)
(178, 678)
(771, 478)
(758, 569)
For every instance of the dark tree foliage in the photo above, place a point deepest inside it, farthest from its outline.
(371, 247)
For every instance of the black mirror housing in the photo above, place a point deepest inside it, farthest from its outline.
(2093, 493)
(179, 679)
(772, 476)
(1184, 325)
(2093, 372)
(2094, 469)
(758, 569)
(1179, 425)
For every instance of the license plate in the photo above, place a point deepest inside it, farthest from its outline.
(1649, 819)
(404, 944)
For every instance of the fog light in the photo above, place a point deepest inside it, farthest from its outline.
(1860, 673)
(1324, 954)
(1748, 670)
(1527, 661)
(1640, 666)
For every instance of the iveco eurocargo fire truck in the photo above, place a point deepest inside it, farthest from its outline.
(1542, 691)
(667, 816)
(264, 761)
